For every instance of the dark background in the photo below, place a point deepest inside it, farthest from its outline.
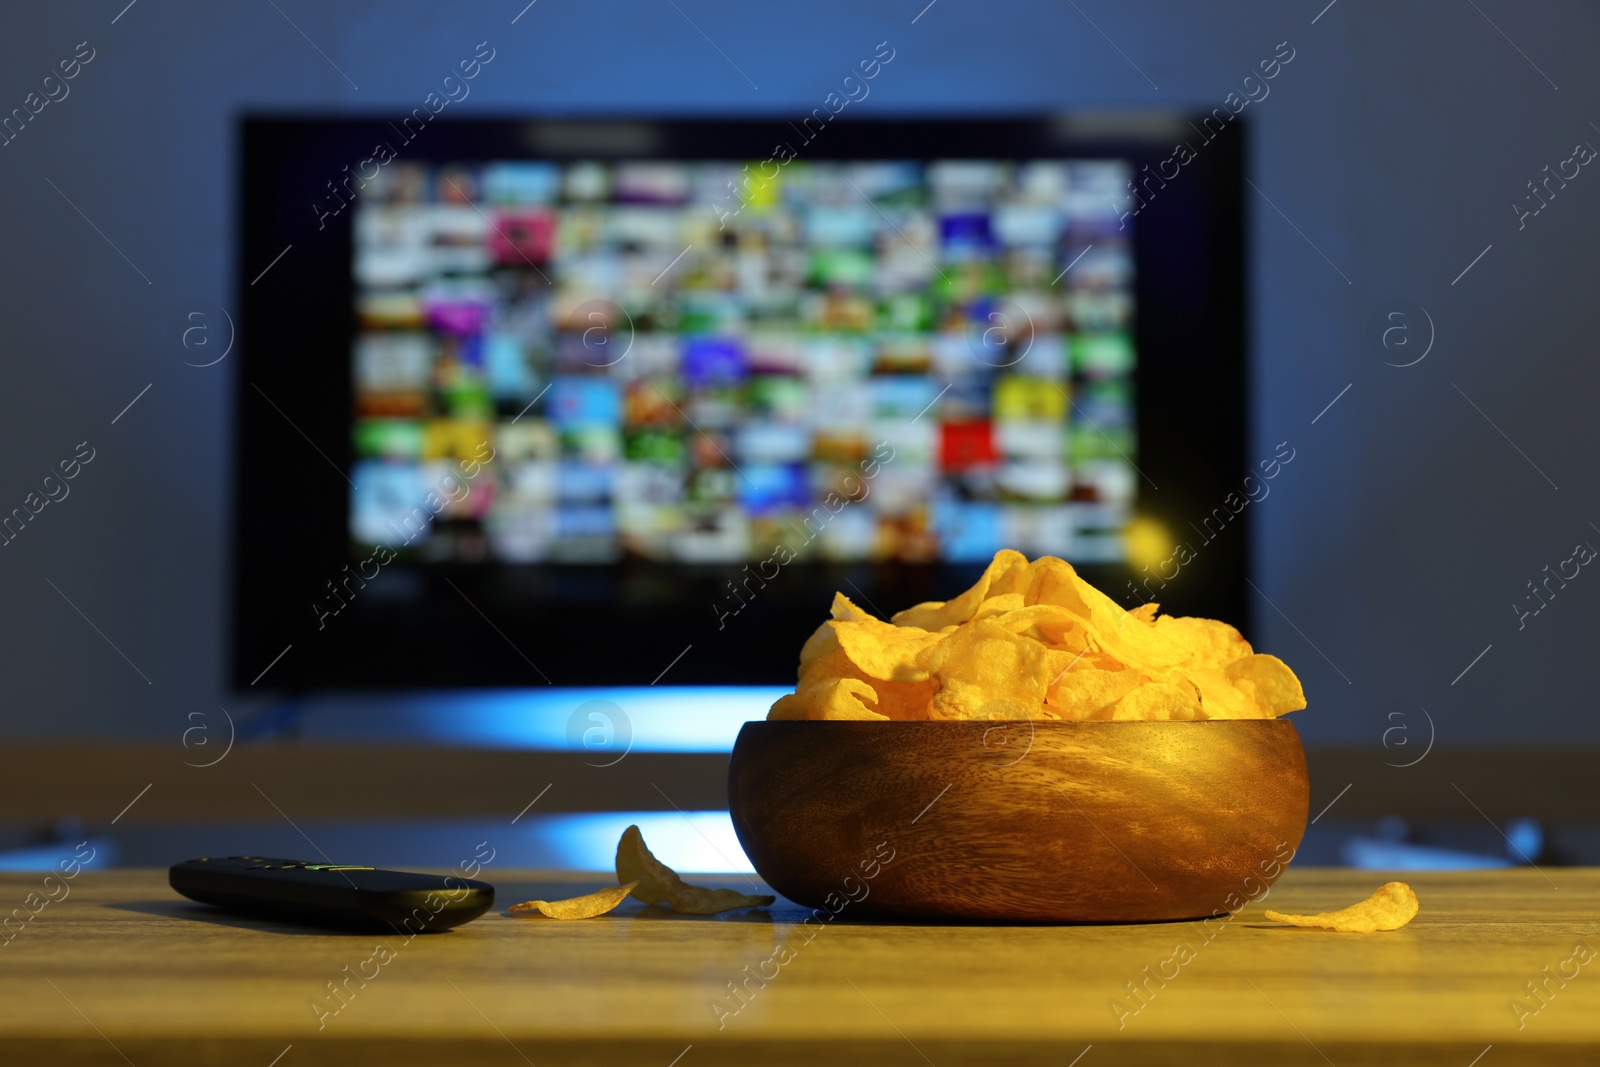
(1386, 157)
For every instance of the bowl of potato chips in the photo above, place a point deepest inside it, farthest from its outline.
(1028, 751)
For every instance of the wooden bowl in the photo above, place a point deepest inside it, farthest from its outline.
(1020, 821)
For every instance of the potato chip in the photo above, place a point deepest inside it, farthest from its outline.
(656, 883)
(844, 611)
(1053, 581)
(1006, 709)
(904, 700)
(1061, 661)
(1216, 642)
(585, 907)
(834, 664)
(1269, 682)
(1129, 636)
(893, 700)
(789, 706)
(1131, 639)
(1009, 571)
(1033, 640)
(997, 605)
(1158, 702)
(1052, 626)
(886, 699)
(843, 698)
(889, 656)
(982, 663)
(1219, 697)
(823, 639)
(1146, 612)
(1004, 572)
(1084, 692)
(1390, 908)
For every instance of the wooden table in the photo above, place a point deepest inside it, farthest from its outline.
(122, 970)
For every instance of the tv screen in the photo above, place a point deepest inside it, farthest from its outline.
(580, 402)
(708, 362)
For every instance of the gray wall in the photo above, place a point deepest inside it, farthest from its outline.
(1395, 141)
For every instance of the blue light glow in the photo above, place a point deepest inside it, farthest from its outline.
(59, 856)
(700, 841)
(601, 721)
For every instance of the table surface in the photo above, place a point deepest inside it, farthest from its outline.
(122, 970)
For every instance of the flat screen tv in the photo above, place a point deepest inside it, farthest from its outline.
(625, 400)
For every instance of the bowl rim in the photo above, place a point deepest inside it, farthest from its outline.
(989, 724)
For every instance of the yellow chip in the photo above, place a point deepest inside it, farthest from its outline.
(834, 664)
(1084, 692)
(1003, 574)
(1213, 641)
(1128, 636)
(1158, 702)
(997, 605)
(1269, 682)
(1147, 612)
(1131, 639)
(983, 663)
(832, 688)
(1219, 696)
(893, 700)
(656, 883)
(904, 700)
(1390, 908)
(1052, 626)
(885, 651)
(789, 706)
(1009, 573)
(845, 698)
(1053, 581)
(844, 611)
(585, 907)
(823, 640)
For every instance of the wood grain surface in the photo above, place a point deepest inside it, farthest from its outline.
(123, 971)
(42, 782)
(1021, 821)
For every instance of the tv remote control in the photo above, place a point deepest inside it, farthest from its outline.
(332, 894)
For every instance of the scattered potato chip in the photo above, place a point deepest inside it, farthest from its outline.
(1390, 908)
(585, 907)
(656, 883)
(1033, 640)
